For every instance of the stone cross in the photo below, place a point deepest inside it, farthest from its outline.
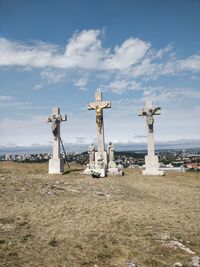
(99, 105)
(149, 112)
(56, 118)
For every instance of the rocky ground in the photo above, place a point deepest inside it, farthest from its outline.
(73, 220)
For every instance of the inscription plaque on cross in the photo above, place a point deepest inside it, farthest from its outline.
(98, 106)
(56, 164)
(151, 160)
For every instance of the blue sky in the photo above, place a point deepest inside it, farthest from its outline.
(57, 53)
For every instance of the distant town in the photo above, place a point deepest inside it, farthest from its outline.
(177, 160)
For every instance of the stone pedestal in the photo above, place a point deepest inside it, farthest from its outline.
(56, 166)
(99, 169)
(87, 170)
(101, 166)
(152, 166)
(95, 172)
(104, 155)
(115, 172)
(98, 173)
(112, 165)
(151, 160)
(101, 160)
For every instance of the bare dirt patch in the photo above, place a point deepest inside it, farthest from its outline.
(74, 220)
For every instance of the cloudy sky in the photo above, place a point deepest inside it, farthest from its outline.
(57, 53)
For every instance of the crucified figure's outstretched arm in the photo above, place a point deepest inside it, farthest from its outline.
(155, 110)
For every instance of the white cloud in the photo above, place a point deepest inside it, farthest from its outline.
(120, 85)
(147, 69)
(81, 83)
(52, 76)
(84, 50)
(128, 54)
(5, 98)
(24, 131)
(80, 140)
(10, 102)
(164, 95)
(14, 53)
(120, 68)
(163, 51)
(176, 66)
(37, 87)
(191, 63)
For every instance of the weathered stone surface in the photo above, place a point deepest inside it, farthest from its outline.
(115, 172)
(56, 164)
(152, 166)
(195, 261)
(101, 159)
(91, 152)
(112, 167)
(130, 264)
(177, 264)
(151, 160)
(97, 172)
(98, 106)
(100, 163)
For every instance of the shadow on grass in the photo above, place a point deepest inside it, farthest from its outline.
(72, 170)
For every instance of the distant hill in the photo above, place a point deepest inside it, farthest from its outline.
(131, 146)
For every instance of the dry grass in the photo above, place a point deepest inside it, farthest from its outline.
(74, 220)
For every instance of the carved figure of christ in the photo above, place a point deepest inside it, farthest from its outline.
(149, 112)
(56, 118)
(99, 105)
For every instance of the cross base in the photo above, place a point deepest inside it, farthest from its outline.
(152, 166)
(56, 166)
(98, 173)
(87, 170)
(115, 172)
(98, 155)
(95, 172)
(112, 165)
(106, 169)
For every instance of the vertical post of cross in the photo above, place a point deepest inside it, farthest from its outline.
(101, 160)
(151, 160)
(56, 164)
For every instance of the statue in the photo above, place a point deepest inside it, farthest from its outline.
(99, 117)
(110, 152)
(150, 119)
(100, 161)
(110, 155)
(56, 164)
(55, 121)
(54, 126)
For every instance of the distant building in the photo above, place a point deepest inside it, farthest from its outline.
(193, 166)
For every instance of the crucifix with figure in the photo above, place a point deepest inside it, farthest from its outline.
(151, 160)
(56, 164)
(98, 106)
(101, 160)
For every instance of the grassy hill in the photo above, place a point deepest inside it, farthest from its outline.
(74, 220)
